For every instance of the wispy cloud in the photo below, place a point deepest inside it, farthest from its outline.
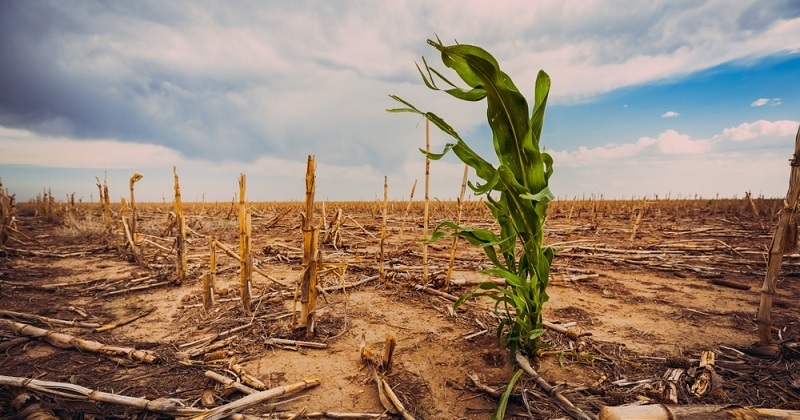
(766, 101)
(670, 114)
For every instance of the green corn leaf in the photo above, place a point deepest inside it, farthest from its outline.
(500, 412)
(521, 179)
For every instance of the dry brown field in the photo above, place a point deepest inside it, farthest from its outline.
(636, 305)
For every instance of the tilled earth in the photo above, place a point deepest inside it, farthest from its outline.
(641, 300)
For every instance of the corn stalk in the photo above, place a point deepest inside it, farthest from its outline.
(516, 190)
(181, 262)
(311, 257)
(6, 214)
(245, 243)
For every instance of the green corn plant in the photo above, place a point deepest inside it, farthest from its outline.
(516, 191)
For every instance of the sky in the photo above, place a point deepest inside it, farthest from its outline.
(678, 98)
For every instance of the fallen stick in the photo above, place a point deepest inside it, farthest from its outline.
(296, 343)
(329, 415)
(664, 412)
(268, 277)
(45, 288)
(396, 401)
(125, 321)
(728, 283)
(483, 387)
(68, 341)
(475, 282)
(362, 228)
(46, 254)
(209, 348)
(213, 337)
(10, 344)
(66, 390)
(230, 383)
(233, 407)
(134, 289)
(564, 330)
(47, 320)
(339, 287)
(247, 378)
(435, 292)
(562, 401)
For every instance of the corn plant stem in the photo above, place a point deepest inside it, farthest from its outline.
(427, 203)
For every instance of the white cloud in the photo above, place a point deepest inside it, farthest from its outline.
(758, 129)
(609, 152)
(670, 114)
(23, 147)
(726, 175)
(671, 142)
(766, 101)
(672, 145)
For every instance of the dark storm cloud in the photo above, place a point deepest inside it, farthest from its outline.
(210, 82)
(43, 91)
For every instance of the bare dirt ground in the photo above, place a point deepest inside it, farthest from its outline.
(639, 304)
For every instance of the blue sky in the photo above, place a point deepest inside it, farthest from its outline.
(665, 97)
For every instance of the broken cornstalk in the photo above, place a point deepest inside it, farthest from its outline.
(67, 390)
(308, 284)
(238, 405)
(136, 252)
(67, 341)
(783, 240)
(245, 256)
(381, 274)
(180, 238)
